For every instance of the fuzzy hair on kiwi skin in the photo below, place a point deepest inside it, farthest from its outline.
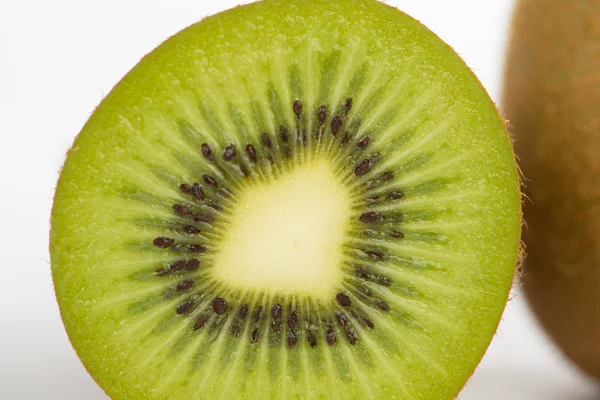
(550, 98)
(220, 306)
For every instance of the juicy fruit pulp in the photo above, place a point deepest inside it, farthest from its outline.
(551, 98)
(293, 199)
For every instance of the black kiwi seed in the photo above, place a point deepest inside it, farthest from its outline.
(259, 314)
(207, 152)
(322, 114)
(209, 180)
(266, 139)
(384, 280)
(341, 318)
(185, 307)
(162, 272)
(346, 139)
(191, 230)
(198, 192)
(382, 305)
(181, 210)
(312, 339)
(219, 305)
(363, 143)
(244, 170)
(243, 313)
(235, 329)
(276, 326)
(185, 285)
(185, 188)
(368, 322)
(284, 134)
(178, 265)
(363, 167)
(292, 339)
(371, 217)
(229, 153)
(192, 264)
(254, 336)
(201, 322)
(293, 320)
(163, 242)
(215, 205)
(297, 108)
(251, 151)
(396, 234)
(202, 218)
(362, 272)
(336, 125)
(347, 105)
(330, 337)
(276, 311)
(351, 335)
(196, 248)
(375, 255)
(343, 299)
(302, 137)
(395, 195)
(386, 176)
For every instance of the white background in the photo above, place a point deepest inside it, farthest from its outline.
(58, 59)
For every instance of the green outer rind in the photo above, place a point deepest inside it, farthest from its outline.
(72, 229)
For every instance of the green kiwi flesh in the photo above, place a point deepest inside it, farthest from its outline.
(288, 200)
(552, 100)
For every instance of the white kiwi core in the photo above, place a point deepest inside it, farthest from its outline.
(286, 235)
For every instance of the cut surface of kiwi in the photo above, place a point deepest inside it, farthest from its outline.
(289, 200)
(552, 100)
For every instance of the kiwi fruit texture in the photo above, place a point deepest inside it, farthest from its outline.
(552, 99)
(289, 200)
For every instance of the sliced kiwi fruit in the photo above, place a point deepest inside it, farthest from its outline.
(552, 98)
(289, 200)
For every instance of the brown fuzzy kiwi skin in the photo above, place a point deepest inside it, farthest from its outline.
(552, 98)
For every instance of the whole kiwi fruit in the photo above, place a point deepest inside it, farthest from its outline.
(552, 100)
(293, 199)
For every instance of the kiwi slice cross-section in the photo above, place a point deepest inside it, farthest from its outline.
(289, 200)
